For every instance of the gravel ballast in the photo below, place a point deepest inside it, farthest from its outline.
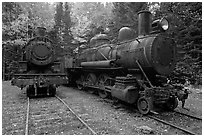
(103, 116)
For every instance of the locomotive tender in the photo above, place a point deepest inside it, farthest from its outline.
(39, 70)
(133, 70)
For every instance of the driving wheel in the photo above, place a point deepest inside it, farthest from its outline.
(91, 81)
(143, 105)
(102, 82)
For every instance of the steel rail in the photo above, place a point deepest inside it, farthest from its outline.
(198, 118)
(27, 117)
(165, 122)
(170, 124)
(82, 121)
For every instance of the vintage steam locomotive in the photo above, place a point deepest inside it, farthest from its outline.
(134, 70)
(39, 70)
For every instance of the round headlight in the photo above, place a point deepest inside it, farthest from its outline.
(164, 24)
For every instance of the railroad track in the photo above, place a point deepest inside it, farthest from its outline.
(156, 117)
(198, 118)
(56, 120)
(159, 119)
(174, 117)
(172, 125)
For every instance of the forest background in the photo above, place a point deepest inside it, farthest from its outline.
(72, 25)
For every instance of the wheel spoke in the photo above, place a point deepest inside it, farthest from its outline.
(143, 105)
(91, 81)
(102, 82)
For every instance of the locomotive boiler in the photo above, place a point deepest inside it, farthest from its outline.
(134, 70)
(39, 70)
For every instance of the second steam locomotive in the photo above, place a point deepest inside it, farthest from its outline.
(133, 70)
(39, 70)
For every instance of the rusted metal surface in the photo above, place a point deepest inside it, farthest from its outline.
(39, 80)
(40, 51)
(102, 64)
(144, 22)
(155, 53)
(124, 89)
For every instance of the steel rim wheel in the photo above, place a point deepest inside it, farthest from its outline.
(102, 81)
(91, 81)
(143, 105)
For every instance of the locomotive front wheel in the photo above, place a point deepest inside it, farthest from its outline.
(143, 105)
(103, 80)
(172, 103)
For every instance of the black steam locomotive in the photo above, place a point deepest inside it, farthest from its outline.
(39, 70)
(133, 70)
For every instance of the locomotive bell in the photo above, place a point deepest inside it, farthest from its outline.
(144, 23)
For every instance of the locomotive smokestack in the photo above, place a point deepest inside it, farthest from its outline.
(40, 31)
(144, 22)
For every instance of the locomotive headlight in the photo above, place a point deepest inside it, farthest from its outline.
(164, 24)
(160, 25)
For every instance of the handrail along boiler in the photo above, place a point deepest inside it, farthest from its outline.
(133, 70)
(39, 70)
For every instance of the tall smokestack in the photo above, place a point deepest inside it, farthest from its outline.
(144, 23)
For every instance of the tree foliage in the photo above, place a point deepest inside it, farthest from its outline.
(16, 17)
(90, 18)
(69, 24)
(62, 28)
(125, 15)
